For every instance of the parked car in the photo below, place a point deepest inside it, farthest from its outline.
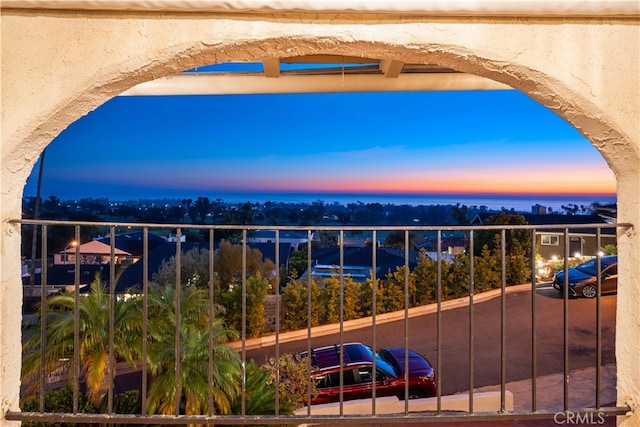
(358, 375)
(583, 278)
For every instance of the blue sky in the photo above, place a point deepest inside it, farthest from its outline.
(418, 142)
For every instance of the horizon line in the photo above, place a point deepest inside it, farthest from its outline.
(523, 194)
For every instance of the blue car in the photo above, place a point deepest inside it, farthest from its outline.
(583, 278)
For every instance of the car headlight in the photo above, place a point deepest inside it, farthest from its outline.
(427, 377)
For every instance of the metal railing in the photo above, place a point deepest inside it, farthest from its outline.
(340, 414)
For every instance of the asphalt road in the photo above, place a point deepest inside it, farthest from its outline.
(454, 357)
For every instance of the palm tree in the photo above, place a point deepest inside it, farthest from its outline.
(194, 354)
(93, 348)
(34, 237)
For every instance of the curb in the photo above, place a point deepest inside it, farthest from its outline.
(349, 325)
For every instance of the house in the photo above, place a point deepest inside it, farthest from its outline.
(294, 238)
(452, 244)
(357, 262)
(93, 252)
(551, 241)
(133, 244)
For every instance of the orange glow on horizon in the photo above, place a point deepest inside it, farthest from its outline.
(455, 185)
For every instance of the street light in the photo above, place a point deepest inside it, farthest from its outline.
(70, 245)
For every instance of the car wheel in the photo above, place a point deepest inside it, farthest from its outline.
(589, 291)
(416, 394)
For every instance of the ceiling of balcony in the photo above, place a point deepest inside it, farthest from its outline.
(314, 74)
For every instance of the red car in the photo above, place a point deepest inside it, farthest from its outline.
(358, 378)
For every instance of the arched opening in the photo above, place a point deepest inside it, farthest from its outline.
(570, 107)
(147, 145)
(579, 114)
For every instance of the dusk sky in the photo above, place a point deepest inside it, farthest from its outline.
(418, 142)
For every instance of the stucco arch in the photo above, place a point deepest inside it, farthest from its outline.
(569, 66)
(595, 124)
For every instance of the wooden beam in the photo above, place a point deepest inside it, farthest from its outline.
(271, 67)
(327, 59)
(390, 68)
(210, 84)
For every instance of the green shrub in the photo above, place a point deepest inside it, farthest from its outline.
(60, 401)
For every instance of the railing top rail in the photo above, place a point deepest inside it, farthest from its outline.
(323, 227)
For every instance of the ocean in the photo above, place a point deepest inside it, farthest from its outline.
(517, 202)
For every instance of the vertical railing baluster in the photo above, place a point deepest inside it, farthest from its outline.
(277, 326)
(406, 321)
(43, 314)
(439, 325)
(212, 278)
(177, 304)
(534, 365)
(341, 242)
(112, 308)
(471, 319)
(503, 320)
(243, 409)
(76, 323)
(374, 342)
(565, 328)
(309, 355)
(598, 318)
(145, 318)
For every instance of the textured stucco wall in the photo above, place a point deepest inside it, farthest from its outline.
(57, 66)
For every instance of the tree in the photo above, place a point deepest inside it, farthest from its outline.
(256, 293)
(516, 240)
(228, 264)
(487, 270)
(260, 393)
(455, 277)
(366, 297)
(298, 262)
(330, 297)
(93, 348)
(241, 213)
(352, 292)
(460, 214)
(330, 300)
(203, 206)
(393, 289)
(425, 276)
(295, 300)
(517, 245)
(395, 239)
(195, 321)
(293, 381)
(194, 269)
(175, 213)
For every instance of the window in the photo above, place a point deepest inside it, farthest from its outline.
(332, 379)
(366, 377)
(611, 271)
(550, 239)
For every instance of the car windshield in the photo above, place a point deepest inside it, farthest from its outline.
(386, 362)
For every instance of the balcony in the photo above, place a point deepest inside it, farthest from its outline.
(498, 354)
